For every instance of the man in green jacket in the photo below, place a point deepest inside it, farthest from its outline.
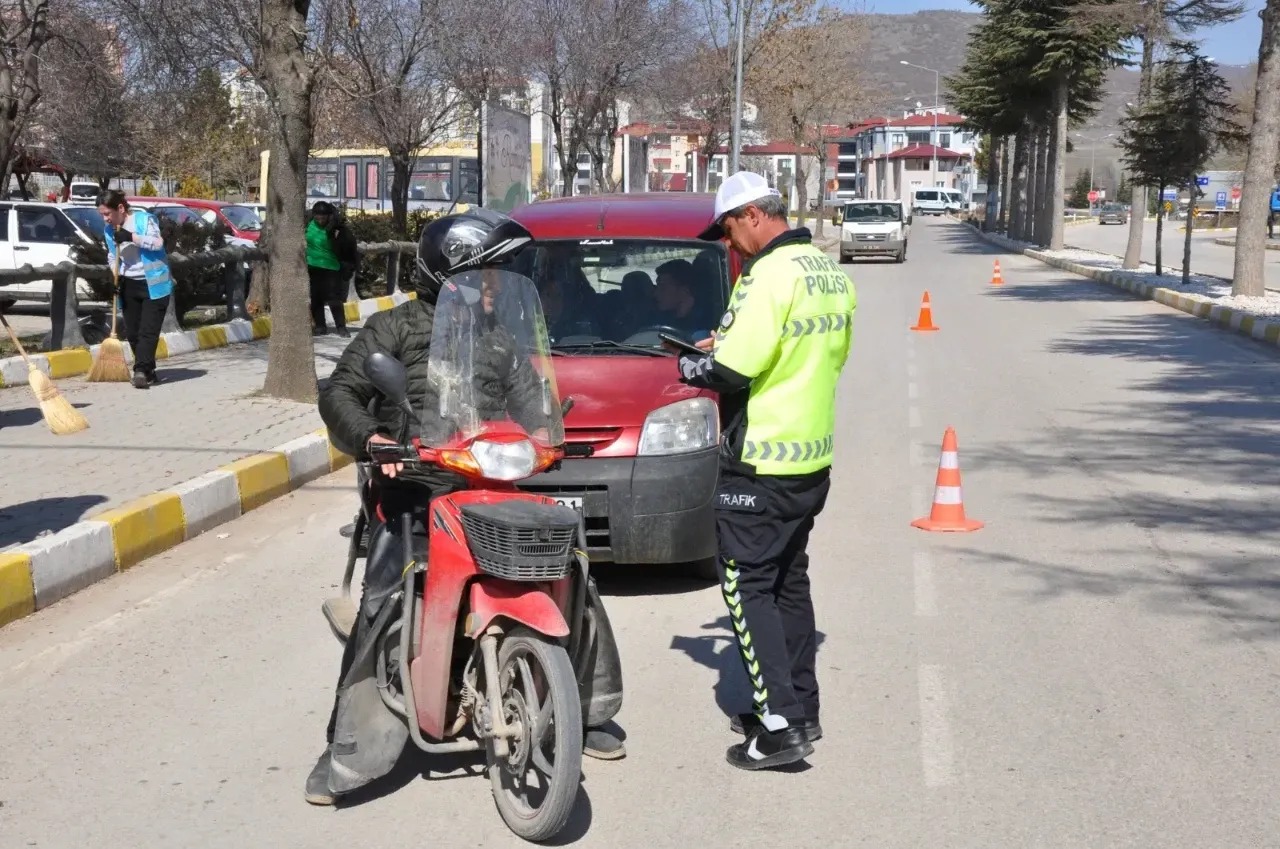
(775, 360)
(331, 260)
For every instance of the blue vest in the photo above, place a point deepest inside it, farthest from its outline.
(155, 266)
(1275, 201)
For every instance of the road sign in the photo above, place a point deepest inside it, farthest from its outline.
(1093, 196)
(1202, 181)
(1220, 201)
(1102, 194)
(1170, 194)
(1235, 193)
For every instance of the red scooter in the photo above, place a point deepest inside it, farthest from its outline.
(477, 655)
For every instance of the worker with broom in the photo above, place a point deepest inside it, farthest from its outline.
(136, 248)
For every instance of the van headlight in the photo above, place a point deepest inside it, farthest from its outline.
(689, 425)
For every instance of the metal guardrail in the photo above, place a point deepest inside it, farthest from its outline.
(64, 300)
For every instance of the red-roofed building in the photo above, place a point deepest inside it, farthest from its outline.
(886, 157)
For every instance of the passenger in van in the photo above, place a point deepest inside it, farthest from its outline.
(628, 309)
(677, 295)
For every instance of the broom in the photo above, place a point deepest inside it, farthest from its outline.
(59, 415)
(109, 366)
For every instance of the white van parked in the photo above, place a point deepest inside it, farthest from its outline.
(928, 202)
(954, 200)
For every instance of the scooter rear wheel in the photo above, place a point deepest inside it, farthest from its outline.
(540, 692)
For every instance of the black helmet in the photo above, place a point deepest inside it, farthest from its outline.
(465, 241)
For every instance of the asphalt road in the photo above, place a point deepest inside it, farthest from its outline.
(1206, 256)
(1097, 667)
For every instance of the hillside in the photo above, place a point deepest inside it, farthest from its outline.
(938, 39)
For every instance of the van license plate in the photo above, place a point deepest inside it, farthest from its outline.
(568, 501)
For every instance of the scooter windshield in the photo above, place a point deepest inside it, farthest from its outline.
(490, 364)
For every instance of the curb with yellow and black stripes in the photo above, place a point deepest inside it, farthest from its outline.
(39, 573)
(76, 361)
(1246, 324)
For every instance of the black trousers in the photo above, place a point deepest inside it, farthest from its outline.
(143, 318)
(327, 290)
(762, 527)
(599, 670)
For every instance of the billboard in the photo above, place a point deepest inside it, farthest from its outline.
(507, 167)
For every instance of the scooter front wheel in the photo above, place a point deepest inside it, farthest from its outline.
(536, 784)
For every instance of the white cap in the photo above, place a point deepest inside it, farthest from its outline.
(736, 191)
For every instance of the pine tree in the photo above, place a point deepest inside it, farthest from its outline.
(1080, 190)
(1168, 140)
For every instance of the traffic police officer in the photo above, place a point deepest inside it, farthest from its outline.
(775, 360)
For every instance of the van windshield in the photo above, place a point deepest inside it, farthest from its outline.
(873, 212)
(615, 295)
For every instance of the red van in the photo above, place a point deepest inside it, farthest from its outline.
(613, 272)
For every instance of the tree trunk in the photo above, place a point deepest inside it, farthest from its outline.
(288, 79)
(1033, 186)
(1043, 203)
(1159, 234)
(401, 166)
(990, 214)
(1058, 177)
(1259, 169)
(1138, 193)
(800, 181)
(1019, 185)
(1006, 184)
(821, 160)
(1186, 242)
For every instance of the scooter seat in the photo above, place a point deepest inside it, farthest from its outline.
(341, 613)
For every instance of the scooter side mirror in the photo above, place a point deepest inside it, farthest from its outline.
(388, 376)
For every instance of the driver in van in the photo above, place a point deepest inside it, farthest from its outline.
(364, 740)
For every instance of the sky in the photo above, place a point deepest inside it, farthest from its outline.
(1232, 44)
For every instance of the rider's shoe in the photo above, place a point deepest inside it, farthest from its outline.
(318, 792)
(764, 749)
(740, 723)
(602, 745)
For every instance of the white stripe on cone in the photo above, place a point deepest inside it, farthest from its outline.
(949, 460)
(946, 495)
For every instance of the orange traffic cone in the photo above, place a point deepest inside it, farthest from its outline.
(925, 322)
(948, 503)
(996, 279)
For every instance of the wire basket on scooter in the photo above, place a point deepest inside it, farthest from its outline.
(521, 540)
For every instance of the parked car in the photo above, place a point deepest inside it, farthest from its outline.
(240, 221)
(1113, 213)
(87, 218)
(168, 210)
(84, 193)
(874, 228)
(36, 234)
(646, 492)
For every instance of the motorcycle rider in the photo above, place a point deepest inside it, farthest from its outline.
(478, 239)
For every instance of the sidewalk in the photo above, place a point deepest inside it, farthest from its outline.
(207, 413)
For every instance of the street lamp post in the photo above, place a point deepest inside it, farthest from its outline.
(933, 138)
(736, 142)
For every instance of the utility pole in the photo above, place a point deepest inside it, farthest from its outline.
(735, 144)
(933, 139)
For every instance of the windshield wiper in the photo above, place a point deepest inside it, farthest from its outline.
(607, 343)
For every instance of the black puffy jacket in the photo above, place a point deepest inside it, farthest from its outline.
(505, 381)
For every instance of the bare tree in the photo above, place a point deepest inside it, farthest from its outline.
(1260, 165)
(24, 33)
(83, 91)
(792, 81)
(386, 63)
(715, 62)
(271, 40)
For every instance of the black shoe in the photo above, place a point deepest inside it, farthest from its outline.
(768, 749)
(602, 745)
(140, 381)
(154, 378)
(319, 331)
(740, 723)
(317, 791)
(343, 332)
